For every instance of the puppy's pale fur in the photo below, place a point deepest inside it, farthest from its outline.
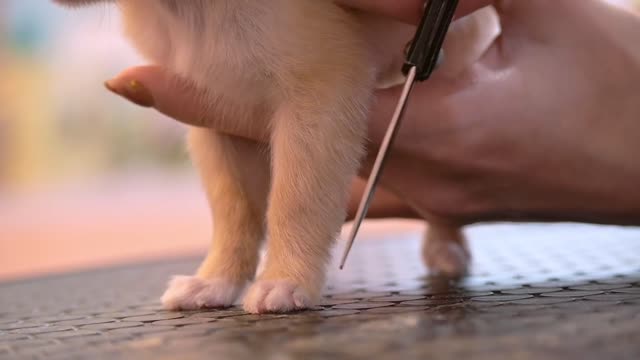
(305, 70)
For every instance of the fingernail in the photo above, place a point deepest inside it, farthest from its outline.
(131, 90)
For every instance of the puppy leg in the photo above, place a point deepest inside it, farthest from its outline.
(235, 173)
(317, 145)
(445, 251)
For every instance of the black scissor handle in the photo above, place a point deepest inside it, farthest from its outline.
(425, 48)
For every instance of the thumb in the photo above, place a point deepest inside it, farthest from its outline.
(176, 97)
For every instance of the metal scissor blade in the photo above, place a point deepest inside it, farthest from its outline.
(380, 161)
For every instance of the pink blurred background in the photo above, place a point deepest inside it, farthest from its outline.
(86, 179)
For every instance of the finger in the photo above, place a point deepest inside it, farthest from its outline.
(435, 103)
(424, 102)
(175, 97)
(409, 10)
(466, 7)
(153, 86)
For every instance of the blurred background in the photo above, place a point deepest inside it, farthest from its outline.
(86, 179)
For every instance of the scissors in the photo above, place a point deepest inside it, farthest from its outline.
(423, 57)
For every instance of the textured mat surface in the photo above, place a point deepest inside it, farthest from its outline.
(536, 291)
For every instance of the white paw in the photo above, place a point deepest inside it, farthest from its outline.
(191, 293)
(448, 258)
(276, 296)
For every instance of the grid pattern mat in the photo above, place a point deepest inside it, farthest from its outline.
(536, 291)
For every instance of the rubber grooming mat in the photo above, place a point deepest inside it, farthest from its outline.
(536, 291)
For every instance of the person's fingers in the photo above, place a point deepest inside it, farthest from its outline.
(408, 10)
(153, 86)
(171, 95)
(429, 103)
(466, 7)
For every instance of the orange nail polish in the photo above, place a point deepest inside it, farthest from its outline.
(131, 90)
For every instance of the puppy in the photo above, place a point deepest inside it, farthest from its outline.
(305, 71)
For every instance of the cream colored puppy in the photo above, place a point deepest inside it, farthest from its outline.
(306, 70)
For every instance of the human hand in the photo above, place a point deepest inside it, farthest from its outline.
(541, 128)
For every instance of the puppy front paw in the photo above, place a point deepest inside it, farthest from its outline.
(191, 293)
(276, 296)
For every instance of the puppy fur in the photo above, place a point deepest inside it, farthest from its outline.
(305, 71)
